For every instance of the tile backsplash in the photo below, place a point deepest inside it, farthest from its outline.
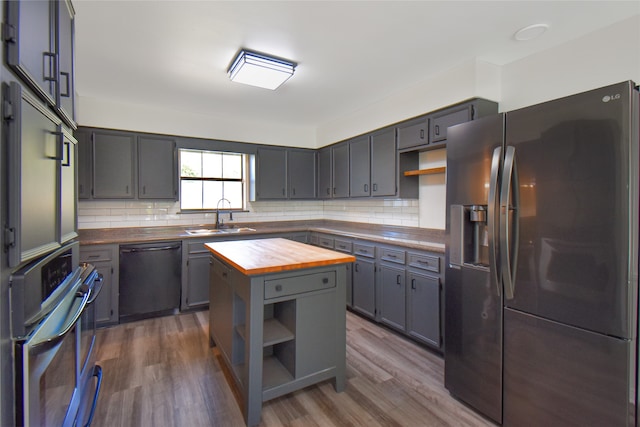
(112, 214)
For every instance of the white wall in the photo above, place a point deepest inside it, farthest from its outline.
(601, 58)
(604, 57)
(108, 114)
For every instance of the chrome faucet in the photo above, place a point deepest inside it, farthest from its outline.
(220, 222)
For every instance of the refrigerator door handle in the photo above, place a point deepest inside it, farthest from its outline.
(509, 202)
(492, 217)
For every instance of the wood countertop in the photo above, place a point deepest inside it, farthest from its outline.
(253, 257)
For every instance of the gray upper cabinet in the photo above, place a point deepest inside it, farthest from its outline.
(41, 177)
(271, 173)
(114, 158)
(324, 173)
(413, 133)
(383, 163)
(157, 168)
(340, 163)
(441, 121)
(39, 48)
(68, 188)
(285, 174)
(360, 167)
(65, 94)
(84, 164)
(301, 167)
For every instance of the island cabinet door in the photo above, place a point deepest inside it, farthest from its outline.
(316, 339)
(221, 307)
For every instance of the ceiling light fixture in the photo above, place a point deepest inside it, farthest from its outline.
(257, 69)
(530, 32)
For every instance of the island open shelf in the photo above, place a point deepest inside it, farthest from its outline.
(277, 315)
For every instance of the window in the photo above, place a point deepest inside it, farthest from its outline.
(207, 177)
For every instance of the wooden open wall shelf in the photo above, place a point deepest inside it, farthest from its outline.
(429, 171)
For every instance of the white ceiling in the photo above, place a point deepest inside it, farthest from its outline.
(350, 53)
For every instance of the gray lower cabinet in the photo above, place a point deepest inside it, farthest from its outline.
(392, 302)
(364, 280)
(105, 260)
(423, 302)
(195, 275)
(392, 285)
(157, 168)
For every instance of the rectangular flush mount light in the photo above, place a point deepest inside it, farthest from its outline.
(256, 69)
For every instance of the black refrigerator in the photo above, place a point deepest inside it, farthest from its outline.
(541, 277)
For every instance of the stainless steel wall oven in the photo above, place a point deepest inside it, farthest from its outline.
(53, 327)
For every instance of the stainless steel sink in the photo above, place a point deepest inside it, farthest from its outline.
(210, 231)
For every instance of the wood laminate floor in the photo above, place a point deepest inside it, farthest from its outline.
(162, 372)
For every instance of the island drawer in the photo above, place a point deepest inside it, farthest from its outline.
(361, 249)
(424, 262)
(276, 288)
(392, 255)
(343, 246)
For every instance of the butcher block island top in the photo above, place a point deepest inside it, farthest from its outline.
(260, 256)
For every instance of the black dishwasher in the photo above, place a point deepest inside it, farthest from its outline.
(150, 280)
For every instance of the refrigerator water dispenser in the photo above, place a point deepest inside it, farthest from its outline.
(469, 236)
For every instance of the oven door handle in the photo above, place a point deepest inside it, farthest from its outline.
(95, 289)
(52, 340)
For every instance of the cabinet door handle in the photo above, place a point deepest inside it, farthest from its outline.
(356, 266)
(49, 66)
(413, 283)
(398, 280)
(67, 144)
(294, 191)
(328, 191)
(375, 187)
(67, 92)
(437, 130)
(366, 188)
(144, 189)
(421, 133)
(283, 191)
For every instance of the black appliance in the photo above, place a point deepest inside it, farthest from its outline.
(541, 274)
(53, 329)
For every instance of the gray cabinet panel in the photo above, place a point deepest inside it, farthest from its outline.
(359, 166)
(301, 165)
(113, 165)
(324, 173)
(84, 164)
(34, 147)
(340, 162)
(157, 168)
(393, 296)
(66, 84)
(424, 308)
(68, 186)
(383, 163)
(271, 173)
(441, 121)
(413, 133)
(31, 45)
(197, 281)
(364, 287)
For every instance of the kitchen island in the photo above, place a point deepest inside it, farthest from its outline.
(277, 315)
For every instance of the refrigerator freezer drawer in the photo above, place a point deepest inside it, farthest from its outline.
(556, 374)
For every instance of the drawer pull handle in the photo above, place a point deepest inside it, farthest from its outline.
(413, 283)
(325, 280)
(278, 288)
(398, 280)
(391, 256)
